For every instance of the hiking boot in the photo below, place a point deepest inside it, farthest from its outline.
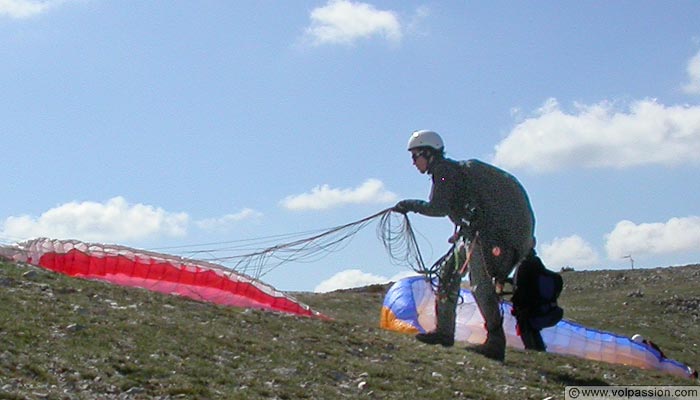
(489, 351)
(494, 347)
(436, 337)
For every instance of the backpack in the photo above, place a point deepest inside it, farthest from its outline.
(535, 293)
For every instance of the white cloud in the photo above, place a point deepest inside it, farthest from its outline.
(693, 85)
(570, 251)
(26, 8)
(113, 221)
(344, 22)
(600, 135)
(352, 278)
(324, 197)
(674, 235)
(415, 24)
(223, 223)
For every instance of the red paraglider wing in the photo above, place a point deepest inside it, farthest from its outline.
(158, 272)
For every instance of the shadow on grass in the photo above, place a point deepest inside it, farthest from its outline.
(571, 380)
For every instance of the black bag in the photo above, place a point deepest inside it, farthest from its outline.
(535, 293)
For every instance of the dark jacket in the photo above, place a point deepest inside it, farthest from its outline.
(480, 197)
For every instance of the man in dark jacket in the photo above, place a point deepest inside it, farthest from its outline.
(492, 214)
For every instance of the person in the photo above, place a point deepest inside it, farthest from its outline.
(492, 214)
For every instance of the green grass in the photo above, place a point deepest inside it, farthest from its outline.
(65, 338)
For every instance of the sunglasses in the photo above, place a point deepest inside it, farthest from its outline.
(415, 156)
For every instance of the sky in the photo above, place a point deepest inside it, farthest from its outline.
(181, 126)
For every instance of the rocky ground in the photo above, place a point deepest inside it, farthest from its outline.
(65, 338)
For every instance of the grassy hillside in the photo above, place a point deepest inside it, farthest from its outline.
(64, 338)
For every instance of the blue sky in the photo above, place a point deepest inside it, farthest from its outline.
(181, 125)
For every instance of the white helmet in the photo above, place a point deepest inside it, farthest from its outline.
(425, 138)
(637, 338)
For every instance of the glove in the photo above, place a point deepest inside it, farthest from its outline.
(405, 206)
